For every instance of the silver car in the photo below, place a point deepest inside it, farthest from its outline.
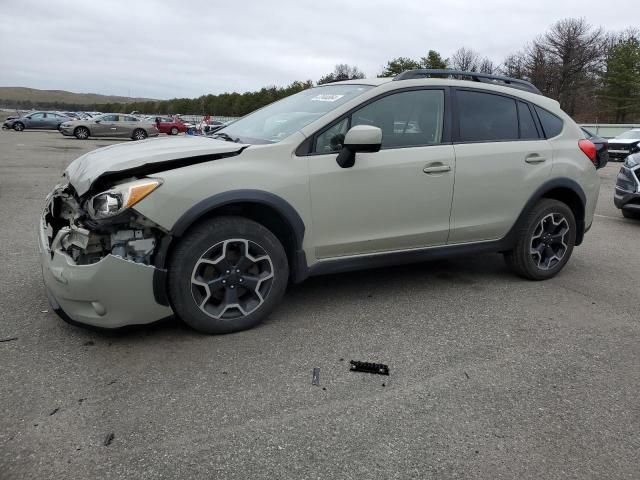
(37, 120)
(110, 125)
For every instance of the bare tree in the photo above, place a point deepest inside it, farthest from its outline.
(576, 51)
(487, 66)
(342, 71)
(466, 60)
(514, 66)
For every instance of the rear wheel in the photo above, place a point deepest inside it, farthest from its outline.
(227, 275)
(18, 126)
(139, 134)
(174, 131)
(545, 241)
(81, 133)
(630, 214)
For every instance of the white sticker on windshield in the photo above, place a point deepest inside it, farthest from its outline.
(326, 97)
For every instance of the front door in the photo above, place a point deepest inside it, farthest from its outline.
(396, 199)
(105, 126)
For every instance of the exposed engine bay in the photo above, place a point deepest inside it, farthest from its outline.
(70, 229)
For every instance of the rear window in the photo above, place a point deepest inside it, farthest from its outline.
(485, 117)
(551, 124)
(528, 128)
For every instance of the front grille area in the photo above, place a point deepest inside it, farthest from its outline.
(626, 181)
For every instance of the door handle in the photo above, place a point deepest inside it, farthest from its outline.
(535, 158)
(439, 168)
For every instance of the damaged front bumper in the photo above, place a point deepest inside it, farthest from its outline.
(109, 291)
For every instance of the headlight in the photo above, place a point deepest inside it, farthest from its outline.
(119, 198)
(631, 162)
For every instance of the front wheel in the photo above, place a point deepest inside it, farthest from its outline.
(81, 133)
(227, 275)
(18, 126)
(545, 241)
(174, 131)
(139, 134)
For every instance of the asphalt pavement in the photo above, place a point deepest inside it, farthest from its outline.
(491, 376)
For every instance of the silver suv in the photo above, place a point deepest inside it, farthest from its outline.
(344, 176)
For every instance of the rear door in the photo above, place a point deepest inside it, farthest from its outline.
(501, 160)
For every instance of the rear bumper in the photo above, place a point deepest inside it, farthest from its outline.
(111, 293)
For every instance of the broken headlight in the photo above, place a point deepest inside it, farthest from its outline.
(119, 198)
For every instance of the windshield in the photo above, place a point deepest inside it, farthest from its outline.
(277, 121)
(630, 134)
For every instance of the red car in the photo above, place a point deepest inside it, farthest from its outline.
(170, 126)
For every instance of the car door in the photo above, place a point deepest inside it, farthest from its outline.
(501, 160)
(396, 199)
(35, 120)
(105, 126)
(51, 121)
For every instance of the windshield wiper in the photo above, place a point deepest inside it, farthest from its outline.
(226, 136)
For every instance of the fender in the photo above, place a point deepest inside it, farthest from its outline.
(292, 218)
(562, 182)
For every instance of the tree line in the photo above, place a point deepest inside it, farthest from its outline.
(594, 74)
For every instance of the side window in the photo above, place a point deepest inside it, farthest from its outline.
(528, 128)
(130, 119)
(331, 140)
(551, 124)
(407, 119)
(109, 118)
(484, 117)
(38, 115)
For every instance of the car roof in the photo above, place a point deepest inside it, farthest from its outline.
(388, 84)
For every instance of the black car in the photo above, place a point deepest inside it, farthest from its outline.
(602, 148)
(625, 144)
(627, 193)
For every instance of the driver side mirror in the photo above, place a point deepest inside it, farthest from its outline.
(361, 138)
(97, 121)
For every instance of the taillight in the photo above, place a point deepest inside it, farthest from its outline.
(589, 149)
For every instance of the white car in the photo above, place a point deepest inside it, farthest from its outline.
(624, 145)
(343, 176)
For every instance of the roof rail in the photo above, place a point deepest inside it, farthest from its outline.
(475, 76)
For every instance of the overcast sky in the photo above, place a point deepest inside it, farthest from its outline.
(162, 49)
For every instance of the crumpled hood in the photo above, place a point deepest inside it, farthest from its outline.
(159, 154)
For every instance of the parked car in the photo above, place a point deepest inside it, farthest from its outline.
(36, 120)
(624, 144)
(627, 193)
(171, 126)
(602, 148)
(328, 180)
(110, 125)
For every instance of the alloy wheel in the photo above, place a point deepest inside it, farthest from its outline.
(232, 279)
(548, 242)
(140, 135)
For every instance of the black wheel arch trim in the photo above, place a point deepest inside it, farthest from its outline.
(542, 191)
(299, 269)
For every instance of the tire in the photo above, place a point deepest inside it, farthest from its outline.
(81, 133)
(174, 131)
(214, 252)
(552, 241)
(630, 214)
(139, 134)
(18, 126)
